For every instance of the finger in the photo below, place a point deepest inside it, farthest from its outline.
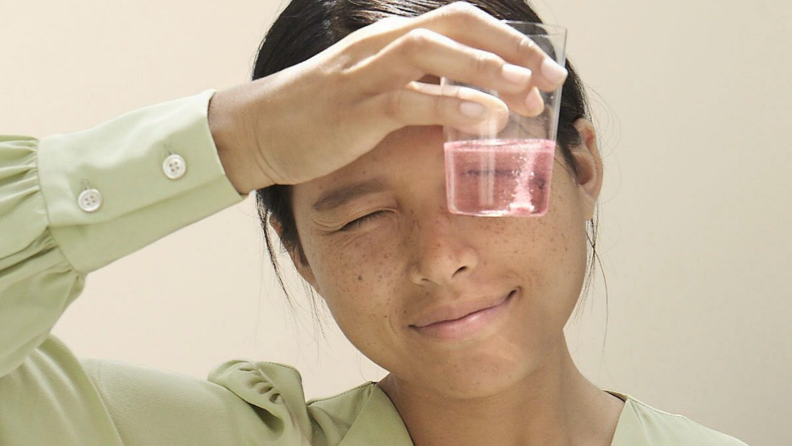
(465, 109)
(421, 52)
(529, 105)
(497, 112)
(470, 26)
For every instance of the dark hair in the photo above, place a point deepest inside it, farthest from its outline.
(308, 27)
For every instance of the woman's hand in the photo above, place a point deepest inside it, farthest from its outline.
(311, 119)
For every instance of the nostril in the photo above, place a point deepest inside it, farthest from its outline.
(461, 269)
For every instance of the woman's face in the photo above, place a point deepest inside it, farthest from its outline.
(409, 262)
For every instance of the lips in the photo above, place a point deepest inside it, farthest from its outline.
(464, 321)
(458, 311)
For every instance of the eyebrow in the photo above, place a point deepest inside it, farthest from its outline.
(344, 194)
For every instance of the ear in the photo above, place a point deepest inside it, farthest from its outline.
(296, 255)
(590, 168)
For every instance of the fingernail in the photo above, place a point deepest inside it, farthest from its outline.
(472, 109)
(553, 72)
(516, 74)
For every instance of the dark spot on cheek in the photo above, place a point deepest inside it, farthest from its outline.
(360, 278)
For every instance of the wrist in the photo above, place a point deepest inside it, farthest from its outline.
(235, 140)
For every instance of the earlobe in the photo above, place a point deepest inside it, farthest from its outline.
(590, 169)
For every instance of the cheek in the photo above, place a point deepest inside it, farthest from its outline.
(550, 243)
(565, 237)
(357, 277)
(548, 251)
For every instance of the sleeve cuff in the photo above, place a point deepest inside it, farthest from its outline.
(117, 187)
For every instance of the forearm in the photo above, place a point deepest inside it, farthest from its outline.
(51, 238)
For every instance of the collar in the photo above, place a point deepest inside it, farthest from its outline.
(380, 423)
(630, 430)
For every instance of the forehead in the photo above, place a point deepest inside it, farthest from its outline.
(408, 155)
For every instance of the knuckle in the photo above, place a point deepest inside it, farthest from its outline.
(462, 9)
(526, 47)
(487, 62)
(460, 13)
(418, 38)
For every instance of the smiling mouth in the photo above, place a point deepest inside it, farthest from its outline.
(469, 324)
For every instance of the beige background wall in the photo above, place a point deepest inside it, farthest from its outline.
(691, 99)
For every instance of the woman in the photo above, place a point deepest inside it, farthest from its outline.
(339, 135)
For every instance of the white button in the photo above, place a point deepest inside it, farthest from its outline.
(90, 200)
(174, 166)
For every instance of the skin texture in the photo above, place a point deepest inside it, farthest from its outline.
(367, 108)
(380, 276)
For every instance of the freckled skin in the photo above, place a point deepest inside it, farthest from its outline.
(378, 278)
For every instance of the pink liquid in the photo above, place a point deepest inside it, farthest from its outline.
(499, 177)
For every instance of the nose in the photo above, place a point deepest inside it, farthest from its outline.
(442, 253)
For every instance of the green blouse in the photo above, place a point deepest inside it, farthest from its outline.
(72, 203)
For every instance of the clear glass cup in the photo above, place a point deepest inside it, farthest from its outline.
(507, 172)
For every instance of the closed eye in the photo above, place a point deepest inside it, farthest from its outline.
(355, 223)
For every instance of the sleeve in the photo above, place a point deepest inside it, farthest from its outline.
(72, 203)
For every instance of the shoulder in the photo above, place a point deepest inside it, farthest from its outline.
(148, 405)
(242, 402)
(660, 428)
(277, 391)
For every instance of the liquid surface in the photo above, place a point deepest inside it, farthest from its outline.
(499, 177)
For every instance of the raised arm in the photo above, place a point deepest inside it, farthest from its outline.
(72, 203)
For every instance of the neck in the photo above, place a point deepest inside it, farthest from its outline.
(555, 405)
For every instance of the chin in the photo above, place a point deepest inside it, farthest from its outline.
(477, 376)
